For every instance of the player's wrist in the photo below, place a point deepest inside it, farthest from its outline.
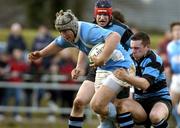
(41, 54)
(127, 78)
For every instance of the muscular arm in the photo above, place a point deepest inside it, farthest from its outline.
(48, 50)
(137, 82)
(81, 60)
(80, 67)
(110, 44)
(51, 49)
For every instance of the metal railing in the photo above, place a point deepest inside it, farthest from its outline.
(41, 85)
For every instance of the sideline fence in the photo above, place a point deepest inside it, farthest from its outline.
(41, 85)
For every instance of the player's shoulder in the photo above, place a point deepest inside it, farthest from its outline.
(118, 24)
(152, 56)
(87, 24)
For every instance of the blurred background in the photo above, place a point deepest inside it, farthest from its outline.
(33, 92)
(146, 14)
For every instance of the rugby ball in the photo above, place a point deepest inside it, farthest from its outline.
(95, 51)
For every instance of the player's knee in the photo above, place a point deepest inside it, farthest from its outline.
(96, 107)
(155, 117)
(123, 106)
(78, 103)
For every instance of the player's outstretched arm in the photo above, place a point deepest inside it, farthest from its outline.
(51, 49)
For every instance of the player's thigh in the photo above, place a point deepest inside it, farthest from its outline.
(86, 91)
(103, 96)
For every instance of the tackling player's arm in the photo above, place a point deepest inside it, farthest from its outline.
(138, 82)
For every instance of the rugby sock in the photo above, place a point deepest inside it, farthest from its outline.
(125, 120)
(162, 124)
(106, 123)
(112, 111)
(75, 122)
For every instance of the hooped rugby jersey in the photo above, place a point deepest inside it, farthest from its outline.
(151, 68)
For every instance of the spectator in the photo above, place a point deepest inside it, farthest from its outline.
(162, 47)
(15, 39)
(42, 39)
(38, 67)
(53, 73)
(173, 50)
(3, 71)
(162, 51)
(66, 65)
(17, 67)
(35, 71)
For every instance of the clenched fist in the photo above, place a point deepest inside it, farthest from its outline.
(96, 61)
(34, 55)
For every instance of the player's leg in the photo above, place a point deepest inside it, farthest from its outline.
(101, 101)
(101, 75)
(160, 113)
(83, 97)
(175, 95)
(107, 123)
(129, 111)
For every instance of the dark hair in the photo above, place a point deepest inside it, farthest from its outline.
(174, 24)
(103, 4)
(118, 16)
(142, 36)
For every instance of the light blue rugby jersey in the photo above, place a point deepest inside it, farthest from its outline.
(124, 31)
(88, 36)
(173, 50)
(151, 68)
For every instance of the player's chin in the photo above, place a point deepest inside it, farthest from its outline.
(102, 24)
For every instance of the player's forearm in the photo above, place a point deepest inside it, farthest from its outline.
(137, 82)
(81, 63)
(110, 45)
(50, 50)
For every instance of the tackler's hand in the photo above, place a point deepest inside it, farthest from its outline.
(121, 74)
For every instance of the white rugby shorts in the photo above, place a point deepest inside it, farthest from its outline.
(175, 83)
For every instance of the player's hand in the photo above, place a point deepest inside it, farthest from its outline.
(96, 61)
(121, 74)
(34, 55)
(76, 72)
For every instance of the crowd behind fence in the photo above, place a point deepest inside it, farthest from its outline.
(35, 86)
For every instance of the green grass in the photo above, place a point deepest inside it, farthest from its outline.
(42, 123)
(155, 38)
(61, 123)
(29, 35)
